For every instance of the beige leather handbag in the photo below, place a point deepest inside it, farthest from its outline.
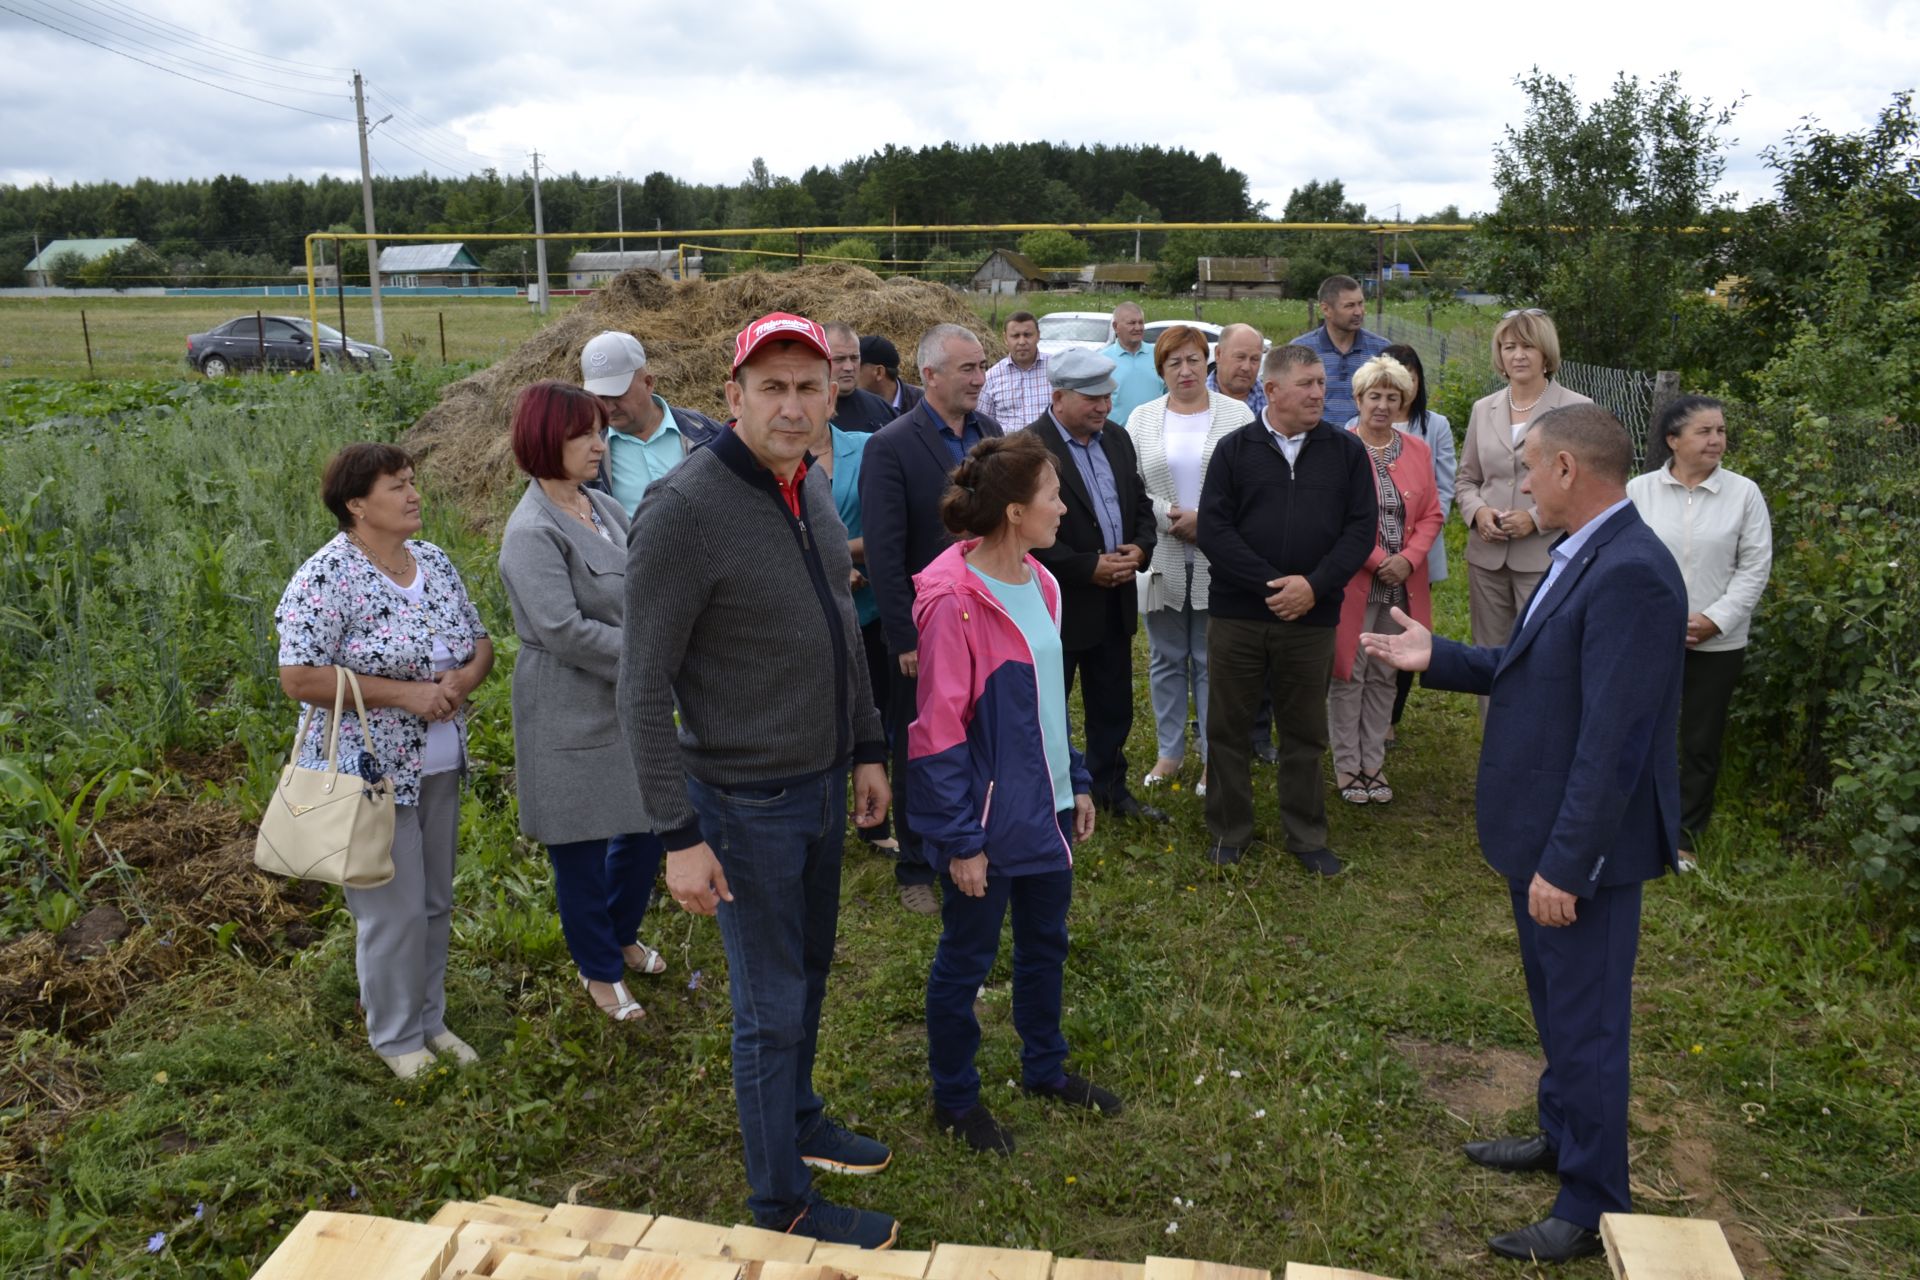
(327, 825)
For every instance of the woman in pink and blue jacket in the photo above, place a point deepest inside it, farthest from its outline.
(998, 794)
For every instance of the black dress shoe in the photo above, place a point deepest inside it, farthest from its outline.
(1548, 1240)
(1078, 1091)
(1515, 1155)
(1222, 854)
(1322, 862)
(1128, 807)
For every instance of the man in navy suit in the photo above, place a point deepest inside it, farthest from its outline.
(903, 476)
(1578, 801)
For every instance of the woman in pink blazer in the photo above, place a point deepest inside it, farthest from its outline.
(1506, 545)
(1360, 697)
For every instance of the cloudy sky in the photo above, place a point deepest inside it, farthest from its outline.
(1402, 101)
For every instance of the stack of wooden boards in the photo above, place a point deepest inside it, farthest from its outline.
(514, 1240)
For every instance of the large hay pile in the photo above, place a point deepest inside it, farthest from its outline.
(688, 330)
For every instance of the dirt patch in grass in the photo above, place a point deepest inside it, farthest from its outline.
(1681, 1179)
(1473, 1084)
(179, 872)
(688, 330)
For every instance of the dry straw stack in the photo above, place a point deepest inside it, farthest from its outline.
(687, 329)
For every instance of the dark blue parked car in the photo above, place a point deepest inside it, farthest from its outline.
(277, 342)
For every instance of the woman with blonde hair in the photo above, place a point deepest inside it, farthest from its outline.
(1360, 697)
(1174, 437)
(1506, 547)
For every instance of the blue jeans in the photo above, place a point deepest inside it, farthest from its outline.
(602, 887)
(969, 941)
(780, 849)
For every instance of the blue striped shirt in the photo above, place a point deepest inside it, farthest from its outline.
(1341, 367)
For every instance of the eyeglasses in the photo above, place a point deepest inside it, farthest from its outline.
(1523, 311)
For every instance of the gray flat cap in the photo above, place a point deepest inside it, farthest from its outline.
(1082, 370)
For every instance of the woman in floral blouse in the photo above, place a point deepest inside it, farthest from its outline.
(393, 611)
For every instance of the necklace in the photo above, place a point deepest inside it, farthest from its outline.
(383, 566)
(1526, 408)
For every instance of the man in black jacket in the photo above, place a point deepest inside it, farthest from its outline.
(855, 410)
(1104, 541)
(903, 475)
(1287, 516)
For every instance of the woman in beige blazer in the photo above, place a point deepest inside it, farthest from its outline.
(1174, 437)
(1506, 547)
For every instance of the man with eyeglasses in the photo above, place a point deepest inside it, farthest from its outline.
(854, 409)
(1343, 342)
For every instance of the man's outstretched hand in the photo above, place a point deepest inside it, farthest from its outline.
(1411, 650)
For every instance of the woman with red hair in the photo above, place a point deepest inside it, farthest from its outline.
(563, 559)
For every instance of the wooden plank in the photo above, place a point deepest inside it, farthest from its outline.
(974, 1262)
(1188, 1269)
(601, 1226)
(761, 1270)
(525, 1207)
(908, 1264)
(1313, 1271)
(468, 1256)
(646, 1264)
(683, 1235)
(353, 1246)
(1642, 1246)
(758, 1243)
(1095, 1269)
(544, 1241)
(527, 1266)
(457, 1213)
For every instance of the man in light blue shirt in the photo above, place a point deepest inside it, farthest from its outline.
(646, 438)
(1136, 381)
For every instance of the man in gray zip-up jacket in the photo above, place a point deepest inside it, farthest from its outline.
(739, 611)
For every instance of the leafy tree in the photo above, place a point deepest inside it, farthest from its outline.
(65, 270)
(1594, 205)
(1179, 267)
(1055, 248)
(855, 249)
(1312, 256)
(133, 267)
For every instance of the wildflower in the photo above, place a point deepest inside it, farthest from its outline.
(1071, 1179)
(1200, 1079)
(1826, 1111)
(1261, 1114)
(693, 983)
(1172, 1228)
(1698, 1048)
(399, 1102)
(1191, 889)
(159, 1077)
(200, 1211)
(353, 1192)
(156, 1242)
(1233, 1075)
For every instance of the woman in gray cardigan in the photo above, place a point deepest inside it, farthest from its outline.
(563, 559)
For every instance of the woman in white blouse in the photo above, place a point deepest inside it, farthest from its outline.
(1174, 437)
(1716, 525)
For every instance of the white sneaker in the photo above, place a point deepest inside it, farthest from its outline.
(408, 1065)
(453, 1046)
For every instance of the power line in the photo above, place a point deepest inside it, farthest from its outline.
(425, 126)
(211, 41)
(172, 71)
(107, 33)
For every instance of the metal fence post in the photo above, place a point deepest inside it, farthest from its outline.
(86, 339)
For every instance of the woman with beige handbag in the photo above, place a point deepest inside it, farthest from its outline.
(393, 611)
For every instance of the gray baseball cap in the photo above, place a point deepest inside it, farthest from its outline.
(1078, 369)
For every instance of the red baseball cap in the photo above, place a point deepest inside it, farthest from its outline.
(780, 326)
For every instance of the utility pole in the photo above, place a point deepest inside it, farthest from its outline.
(366, 205)
(620, 218)
(539, 229)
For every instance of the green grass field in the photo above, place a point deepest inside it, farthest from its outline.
(147, 337)
(1301, 1059)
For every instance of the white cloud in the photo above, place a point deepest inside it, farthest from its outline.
(1401, 101)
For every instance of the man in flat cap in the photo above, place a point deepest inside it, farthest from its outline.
(880, 374)
(1104, 540)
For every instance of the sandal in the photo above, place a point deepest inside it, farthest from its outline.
(1378, 792)
(646, 961)
(1355, 791)
(625, 1011)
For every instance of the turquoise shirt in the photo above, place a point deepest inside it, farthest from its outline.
(633, 463)
(849, 448)
(1136, 381)
(1028, 609)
